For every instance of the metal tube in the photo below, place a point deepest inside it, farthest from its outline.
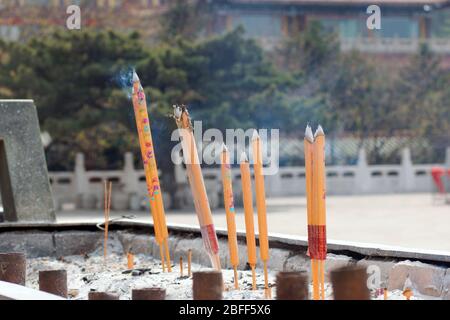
(13, 267)
(94, 295)
(207, 285)
(53, 281)
(148, 294)
(350, 283)
(292, 285)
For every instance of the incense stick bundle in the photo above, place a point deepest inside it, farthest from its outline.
(261, 206)
(248, 210)
(107, 208)
(315, 196)
(151, 170)
(230, 212)
(195, 177)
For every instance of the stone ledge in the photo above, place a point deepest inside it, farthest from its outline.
(427, 278)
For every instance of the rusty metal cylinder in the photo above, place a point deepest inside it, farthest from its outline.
(148, 294)
(350, 283)
(207, 285)
(292, 285)
(13, 268)
(94, 295)
(54, 282)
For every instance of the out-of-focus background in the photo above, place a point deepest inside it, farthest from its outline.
(383, 97)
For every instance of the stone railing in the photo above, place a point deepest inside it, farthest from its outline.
(394, 45)
(84, 189)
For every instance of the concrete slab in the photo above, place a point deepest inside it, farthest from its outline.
(10, 291)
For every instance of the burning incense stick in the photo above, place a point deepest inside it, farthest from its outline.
(197, 184)
(228, 200)
(261, 206)
(151, 169)
(248, 210)
(189, 263)
(320, 194)
(308, 149)
(315, 196)
(108, 191)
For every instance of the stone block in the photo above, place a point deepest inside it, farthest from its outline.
(24, 178)
(34, 244)
(277, 259)
(298, 262)
(384, 266)
(199, 254)
(425, 278)
(76, 242)
(137, 243)
(446, 286)
(335, 261)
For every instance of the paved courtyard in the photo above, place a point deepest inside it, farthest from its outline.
(407, 220)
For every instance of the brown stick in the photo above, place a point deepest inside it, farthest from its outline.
(236, 280)
(166, 248)
(181, 266)
(253, 277)
(161, 253)
(266, 280)
(189, 263)
(130, 261)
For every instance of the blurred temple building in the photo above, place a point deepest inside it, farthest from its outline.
(404, 24)
(21, 19)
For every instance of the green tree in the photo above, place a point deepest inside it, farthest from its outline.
(310, 50)
(71, 78)
(185, 19)
(422, 94)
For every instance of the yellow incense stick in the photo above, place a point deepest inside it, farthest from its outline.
(150, 168)
(228, 200)
(310, 203)
(197, 184)
(320, 194)
(248, 210)
(261, 204)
